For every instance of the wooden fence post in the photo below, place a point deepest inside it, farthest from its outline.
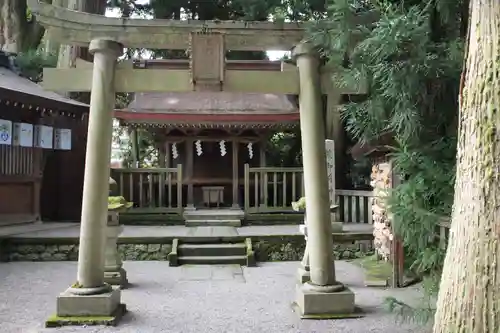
(179, 188)
(247, 188)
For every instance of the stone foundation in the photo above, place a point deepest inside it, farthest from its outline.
(292, 249)
(25, 252)
(268, 249)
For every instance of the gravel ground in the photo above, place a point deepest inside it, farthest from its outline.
(195, 299)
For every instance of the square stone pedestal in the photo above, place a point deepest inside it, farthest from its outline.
(116, 278)
(303, 275)
(337, 227)
(100, 309)
(320, 305)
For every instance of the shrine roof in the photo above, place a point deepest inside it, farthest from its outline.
(14, 86)
(206, 107)
(212, 102)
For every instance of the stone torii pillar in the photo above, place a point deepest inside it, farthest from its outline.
(90, 296)
(322, 295)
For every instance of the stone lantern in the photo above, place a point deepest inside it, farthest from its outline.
(114, 273)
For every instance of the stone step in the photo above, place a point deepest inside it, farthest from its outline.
(214, 214)
(222, 217)
(213, 260)
(207, 250)
(212, 222)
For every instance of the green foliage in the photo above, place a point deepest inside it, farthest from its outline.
(422, 314)
(422, 199)
(284, 149)
(411, 55)
(31, 63)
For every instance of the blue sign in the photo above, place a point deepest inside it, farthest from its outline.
(4, 136)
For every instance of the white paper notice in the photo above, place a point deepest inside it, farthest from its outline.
(44, 136)
(23, 135)
(62, 139)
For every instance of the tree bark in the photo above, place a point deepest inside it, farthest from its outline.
(68, 54)
(18, 33)
(51, 47)
(470, 284)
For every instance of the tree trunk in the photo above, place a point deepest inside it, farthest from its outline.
(69, 53)
(470, 284)
(92, 7)
(52, 47)
(17, 32)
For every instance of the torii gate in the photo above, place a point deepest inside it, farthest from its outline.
(207, 42)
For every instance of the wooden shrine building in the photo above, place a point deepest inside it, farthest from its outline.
(42, 150)
(211, 136)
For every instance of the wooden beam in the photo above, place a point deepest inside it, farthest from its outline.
(188, 144)
(161, 80)
(235, 153)
(72, 27)
(127, 80)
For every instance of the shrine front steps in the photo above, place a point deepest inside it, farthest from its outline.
(213, 217)
(213, 223)
(212, 254)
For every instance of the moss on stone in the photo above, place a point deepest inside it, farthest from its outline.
(56, 321)
(375, 270)
(269, 248)
(358, 313)
(279, 248)
(274, 219)
(291, 248)
(76, 285)
(51, 252)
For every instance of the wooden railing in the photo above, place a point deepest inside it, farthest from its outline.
(152, 190)
(15, 160)
(354, 206)
(272, 189)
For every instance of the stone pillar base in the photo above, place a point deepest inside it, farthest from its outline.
(303, 275)
(312, 304)
(189, 207)
(78, 310)
(337, 227)
(116, 278)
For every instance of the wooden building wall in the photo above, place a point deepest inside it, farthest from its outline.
(211, 165)
(40, 183)
(20, 174)
(212, 169)
(62, 186)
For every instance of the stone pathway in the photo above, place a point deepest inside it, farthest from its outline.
(233, 273)
(193, 299)
(72, 230)
(33, 228)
